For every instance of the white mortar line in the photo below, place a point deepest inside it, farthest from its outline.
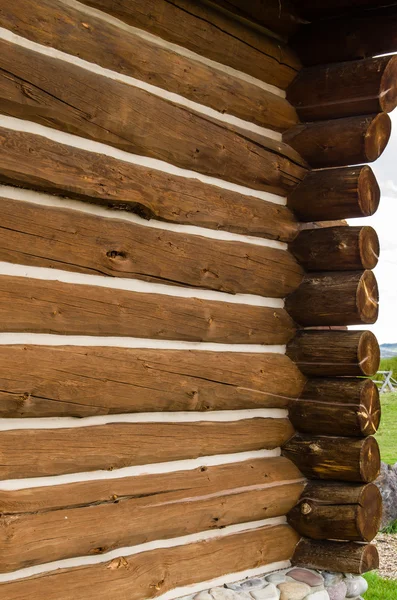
(135, 285)
(268, 87)
(181, 101)
(82, 143)
(43, 199)
(222, 416)
(132, 550)
(135, 471)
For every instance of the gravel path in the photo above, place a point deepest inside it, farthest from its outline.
(387, 547)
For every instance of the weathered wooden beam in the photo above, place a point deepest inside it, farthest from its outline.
(117, 445)
(335, 353)
(341, 142)
(344, 406)
(152, 573)
(171, 505)
(336, 511)
(329, 194)
(99, 381)
(333, 457)
(343, 557)
(209, 32)
(111, 112)
(42, 306)
(337, 248)
(38, 163)
(335, 298)
(347, 89)
(137, 252)
(362, 35)
(146, 60)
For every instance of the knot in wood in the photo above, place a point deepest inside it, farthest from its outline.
(306, 508)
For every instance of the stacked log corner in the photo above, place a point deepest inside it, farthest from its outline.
(343, 110)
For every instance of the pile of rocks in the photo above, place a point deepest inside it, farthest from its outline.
(290, 584)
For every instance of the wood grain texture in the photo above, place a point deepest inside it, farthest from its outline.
(334, 457)
(71, 240)
(336, 556)
(35, 162)
(152, 573)
(335, 353)
(50, 381)
(340, 406)
(341, 142)
(332, 8)
(40, 306)
(341, 193)
(56, 24)
(335, 298)
(210, 32)
(336, 511)
(337, 248)
(32, 86)
(346, 89)
(114, 446)
(170, 505)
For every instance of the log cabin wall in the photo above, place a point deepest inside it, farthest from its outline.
(155, 289)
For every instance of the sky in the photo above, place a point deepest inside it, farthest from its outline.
(385, 223)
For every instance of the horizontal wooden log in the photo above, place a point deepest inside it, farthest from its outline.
(349, 512)
(280, 18)
(332, 8)
(344, 406)
(40, 306)
(330, 194)
(345, 89)
(336, 556)
(100, 381)
(337, 248)
(209, 32)
(153, 573)
(335, 298)
(145, 60)
(43, 236)
(341, 142)
(335, 353)
(38, 163)
(41, 452)
(363, 35)
(32, 86)
(172, 505)
(332, 457)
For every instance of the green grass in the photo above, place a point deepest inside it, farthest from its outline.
(392, 528)
(380, 589)
(387, 433)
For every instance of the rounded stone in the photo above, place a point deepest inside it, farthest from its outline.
(305, 576)
(331, 578)
(291, 590)
(236, 587)
(202, 596)
(270, 592)
(337, 591)
(276, 578)
(355, 586)
(218, 593)
(322, 595)
(252, 584)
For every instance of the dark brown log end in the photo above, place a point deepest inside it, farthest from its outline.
(377, 136)
(367, 299)
(369, 460)
(336, 556)
(348, 512)
(368, 192)
(388, 87)
(368, 353)
(339, 406)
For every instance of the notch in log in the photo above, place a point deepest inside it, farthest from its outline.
(370, 33)
(341, 142)
(332, 457)
(333, 194)
(335, 298)
(345, 557)
(335, 353)
(347, 89)
(337, 248)
(345, 406)
(348, 512)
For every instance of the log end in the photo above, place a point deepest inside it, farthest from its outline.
(388, 88)
(369, 247)
(370, 408)
(377, 136)
(368, 354)
(369, 515)
(367, 298)
(369, 460)
(368, 192)
(336, 556)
